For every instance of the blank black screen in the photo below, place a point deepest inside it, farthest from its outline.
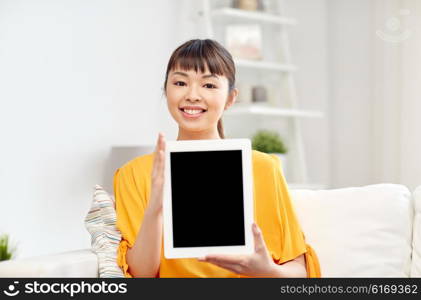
(207, 198)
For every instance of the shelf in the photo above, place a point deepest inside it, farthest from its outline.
(252, 15)
(306, 186)
(271, 111)
(276, 67)
(265, 65)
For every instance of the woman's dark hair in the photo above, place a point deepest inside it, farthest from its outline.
(198, 54)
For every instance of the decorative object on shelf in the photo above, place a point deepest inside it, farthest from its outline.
(269, 141)
(6, 252)
(259, 94)
(244, 41)
(248, 4)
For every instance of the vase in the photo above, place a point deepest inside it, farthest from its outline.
(246, 4)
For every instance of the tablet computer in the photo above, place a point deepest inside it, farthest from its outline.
(208, 203)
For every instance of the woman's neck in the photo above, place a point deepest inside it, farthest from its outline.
(198, 135)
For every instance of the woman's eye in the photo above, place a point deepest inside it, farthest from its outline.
(180, 83)
(210, 85)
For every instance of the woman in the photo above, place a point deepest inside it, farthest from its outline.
(199, 86)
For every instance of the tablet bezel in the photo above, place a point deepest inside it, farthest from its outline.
(248, 205)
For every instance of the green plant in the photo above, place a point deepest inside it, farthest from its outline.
(268, 141)
(5, 252)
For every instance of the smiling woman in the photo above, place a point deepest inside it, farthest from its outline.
(200, 85)
(201, 99)
(200, 76)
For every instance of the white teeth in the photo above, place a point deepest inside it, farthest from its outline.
(192, 112)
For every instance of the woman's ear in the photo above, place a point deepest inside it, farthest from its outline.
(231, 98)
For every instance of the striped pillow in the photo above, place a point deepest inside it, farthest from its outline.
(105, 237)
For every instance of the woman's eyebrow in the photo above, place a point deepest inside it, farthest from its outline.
(204, 76)
(180, 73)
(209, 75)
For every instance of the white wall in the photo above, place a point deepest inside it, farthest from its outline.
(375, 93)
(350, 68)
(386, 84)
(310, 52)
(76, 78)
(410, 145)
(398, 101)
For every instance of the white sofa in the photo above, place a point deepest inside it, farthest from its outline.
(370, 231)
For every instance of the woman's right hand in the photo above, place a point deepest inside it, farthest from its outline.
(157, 184)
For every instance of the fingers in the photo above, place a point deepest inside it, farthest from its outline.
(223, 258)
(160, 143)
(159, 158)
(161, 163)
(161, 154)
(229, 262)
(259, 242)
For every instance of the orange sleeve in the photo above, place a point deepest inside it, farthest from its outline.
(292, 239)
(130, 208)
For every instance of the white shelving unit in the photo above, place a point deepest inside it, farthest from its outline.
(272, 111)
(255, 16)
(263, 65)
(220, 14)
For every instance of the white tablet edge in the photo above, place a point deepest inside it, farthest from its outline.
(197, 145)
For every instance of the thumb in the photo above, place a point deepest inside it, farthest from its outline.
(259, 242)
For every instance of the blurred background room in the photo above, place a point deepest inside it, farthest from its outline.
(337, 82)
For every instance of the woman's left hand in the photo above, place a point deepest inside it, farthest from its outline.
(258, 264)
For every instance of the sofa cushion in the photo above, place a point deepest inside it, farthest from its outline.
(74, 264)
(105, 237)
(359, 231)
(416, 251)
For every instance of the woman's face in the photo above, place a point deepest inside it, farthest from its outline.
(196, 101)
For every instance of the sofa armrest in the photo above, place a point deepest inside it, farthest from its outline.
(416, 242)
(77, 263)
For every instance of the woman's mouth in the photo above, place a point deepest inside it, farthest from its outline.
(191, 113)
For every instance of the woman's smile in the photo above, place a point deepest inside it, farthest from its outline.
(191, 114)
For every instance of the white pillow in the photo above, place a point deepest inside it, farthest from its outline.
(74, 263)
(105, 237)
(359, 231)
(416, 252)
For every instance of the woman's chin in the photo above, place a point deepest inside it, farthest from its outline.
(192, 128)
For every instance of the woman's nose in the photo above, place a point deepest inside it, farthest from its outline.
(193, 93)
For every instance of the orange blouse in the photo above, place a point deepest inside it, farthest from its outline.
(273, 212)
